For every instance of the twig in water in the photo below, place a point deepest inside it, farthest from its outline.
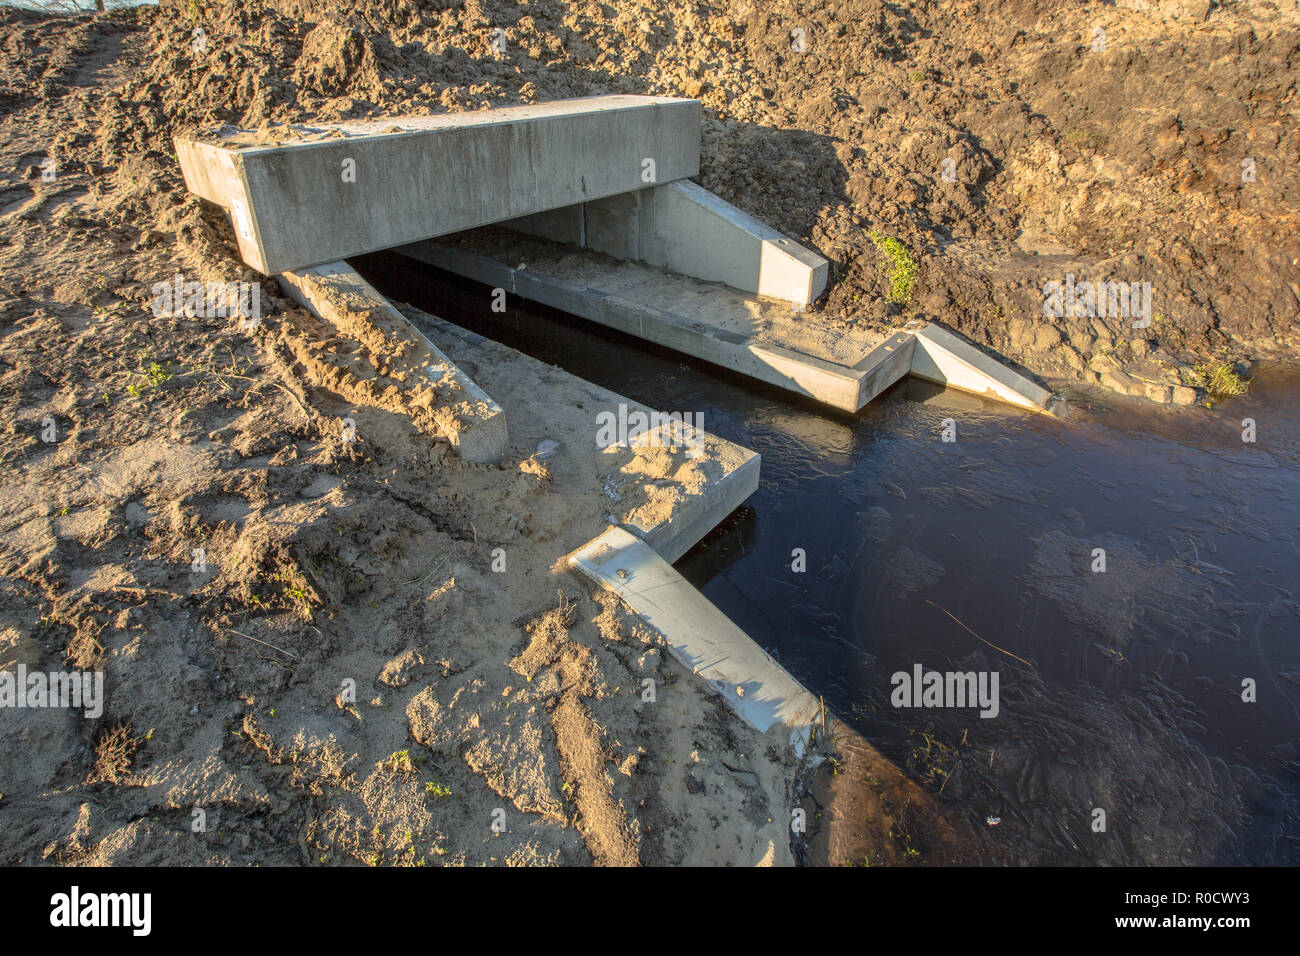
(977, 637)
(948, 775)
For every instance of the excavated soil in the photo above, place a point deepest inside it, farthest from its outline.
(1168, 157)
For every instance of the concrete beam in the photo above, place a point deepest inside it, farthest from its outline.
(700, 636)
(440, 398)
(320, 194)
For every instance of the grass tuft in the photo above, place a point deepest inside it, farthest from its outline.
(902, 272)
(1221, 380)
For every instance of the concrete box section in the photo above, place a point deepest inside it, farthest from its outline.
(301, 196)
(683, 227)
(440, 398)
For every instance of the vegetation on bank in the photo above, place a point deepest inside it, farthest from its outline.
(902, 272)
(1220, 379)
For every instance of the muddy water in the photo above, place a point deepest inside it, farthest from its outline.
(1122, 735)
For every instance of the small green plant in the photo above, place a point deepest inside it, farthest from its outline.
(157, 374)
(902, 272)
(154, 375)
(400, 762)
(1085, 137)
(437, 790)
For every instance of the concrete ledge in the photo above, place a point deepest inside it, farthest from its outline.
(300, 196)
(700, 636)
(724, 328)
(940, 356)
(828, 382)
(440, 398)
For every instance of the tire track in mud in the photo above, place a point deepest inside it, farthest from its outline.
(601, 821)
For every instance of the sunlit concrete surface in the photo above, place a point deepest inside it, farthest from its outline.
(304, 195)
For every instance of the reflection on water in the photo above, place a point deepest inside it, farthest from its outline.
(973, 554)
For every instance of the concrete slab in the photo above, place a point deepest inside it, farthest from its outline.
(705, 320)
(441, 399)
(768, 341)
(304, 195)
(700, 636)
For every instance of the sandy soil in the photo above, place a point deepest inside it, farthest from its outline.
(368, 560)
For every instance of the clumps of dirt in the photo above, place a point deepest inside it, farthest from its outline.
(603, 823)
(392, 379)
(114, 751)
